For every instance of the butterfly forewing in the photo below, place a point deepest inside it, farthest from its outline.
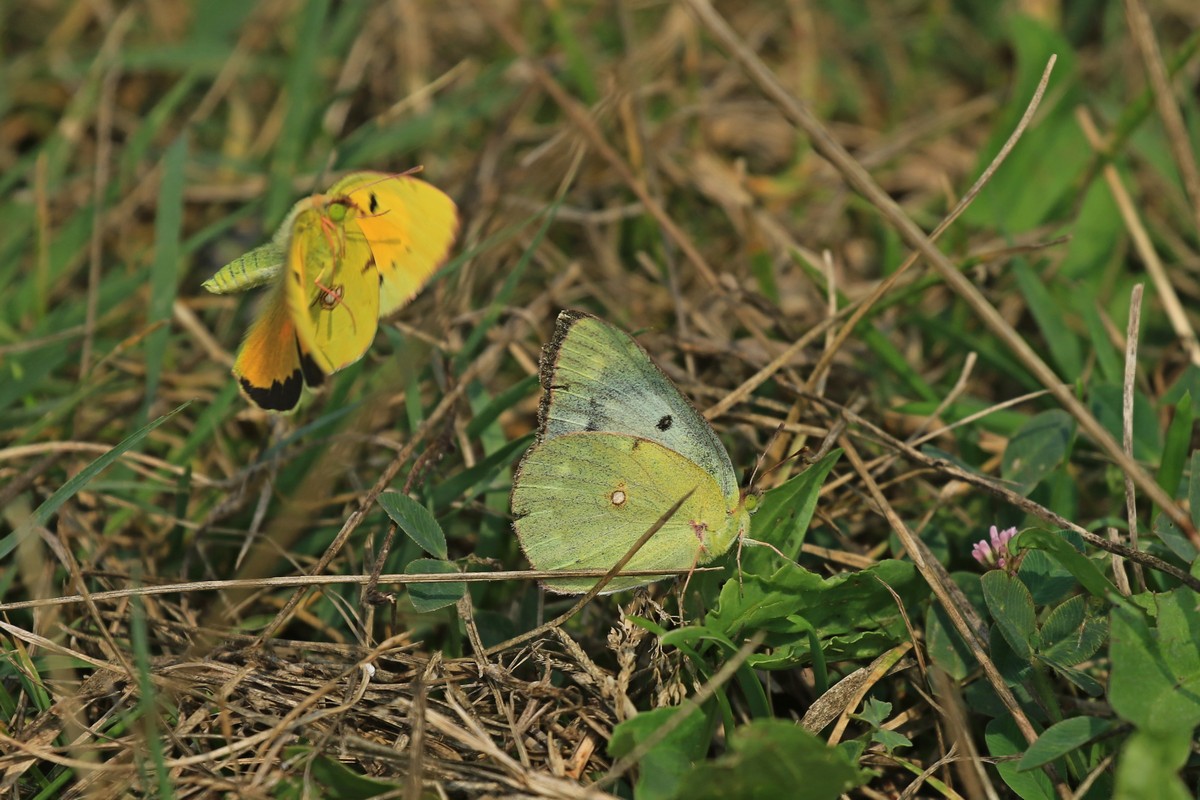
(597, 378)
(408, 224)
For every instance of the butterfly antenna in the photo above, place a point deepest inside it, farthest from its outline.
(389, 176)
(758, 462)
(407, 173)
(802, 454)
(321, 177)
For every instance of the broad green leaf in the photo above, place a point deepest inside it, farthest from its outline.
(668, 761)
(1155, 677)
(855, 615)
(1048, 581)
(1149, 764)
(944, 644)
(1003, 739)
(1038, 448)
(784, 513)
(1084, 682)
(416, 522)
(1058, 548)
(1070, 635)
(771, 759)
(1094, 236)
(428, 597)
(1011, 606)
(1062, 738)
(1170, 535)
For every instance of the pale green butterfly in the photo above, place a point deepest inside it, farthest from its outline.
(617, 446)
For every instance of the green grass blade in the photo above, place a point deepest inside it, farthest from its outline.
(69, 489)
(167, 227)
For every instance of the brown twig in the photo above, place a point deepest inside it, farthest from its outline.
(1127, 396)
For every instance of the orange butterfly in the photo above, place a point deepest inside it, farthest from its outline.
(339, 262)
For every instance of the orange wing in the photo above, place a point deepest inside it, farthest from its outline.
(270, 368)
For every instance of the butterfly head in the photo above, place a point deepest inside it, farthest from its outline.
(751, 499)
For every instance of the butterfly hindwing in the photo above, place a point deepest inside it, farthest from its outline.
(617, 447)
(581, 500)
(268, 368)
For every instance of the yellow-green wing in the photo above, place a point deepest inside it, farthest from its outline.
(597, 378)
(581, 500)
(332, 291)
(260, 266)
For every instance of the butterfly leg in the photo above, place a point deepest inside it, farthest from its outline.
(691, 571)
(756, 543)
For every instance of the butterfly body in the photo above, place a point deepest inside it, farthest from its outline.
(262, 265)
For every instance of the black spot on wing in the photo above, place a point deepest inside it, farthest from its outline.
(373, 203)
(664, 424)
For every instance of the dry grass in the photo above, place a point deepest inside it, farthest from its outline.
(610, 157)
